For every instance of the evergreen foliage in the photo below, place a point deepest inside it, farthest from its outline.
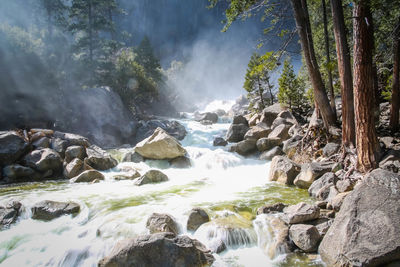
(291, 90)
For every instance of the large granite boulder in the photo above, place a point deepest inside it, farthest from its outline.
(72, 139)
(271, 208)
(100, 159)
(47, 210)
(219, 141)
(9, 213)
(44, 160)
(73, 152)
(244, 147)
(160, 145)
(305, 236)
(12, 147)
(281, 131)
(161, 222)
(73, 168)
(270, 154)
(236, 132)
(208, 116)
(311, 172)
(366, 230)
(196, 218)
(16, 172)
(87, 177)
(152, 177)
(301, 212)
(257, 132)
(320, 188)
(265, 144)
(283, 170)
(147, 128)
(160, 249)
(240, 119)
(269, 114)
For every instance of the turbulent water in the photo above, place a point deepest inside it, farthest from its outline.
(229, 187)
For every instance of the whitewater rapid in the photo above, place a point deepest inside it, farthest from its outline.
(225, 184)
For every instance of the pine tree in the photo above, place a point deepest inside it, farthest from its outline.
(145, 57)
(290, 91)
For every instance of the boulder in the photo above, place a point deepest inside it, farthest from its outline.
(239, 119)
(254, 119)
(12, 147)
(208, 116)
(43, 160)
(269, 114)
(217, 246)
(337, 201)
(219, 141)
(36, 136)
(257, 132)
(100, 159)
(305, 236)
(9, 213)
(132, 156)
(160, 249)
(161, 222)
(73, 139)
(48, 210)
(391, 161)
(366, 230)
(43, 142)
(160, 145)
(59, 145)
(271, 208)
(152, 177)
(197, 217)
(74, 152)
(87, 177)
(301, 212)
(236, 132)
(16, 172)
(128, 175)
(311, 172)
(319, 189)
(74, 168)
(265, 144)
(173, 128)
(181, 162)
(244, 147)
(281, 131)
(290, 146)
(344, 185)
(284, 117)
(330, 149)
(283, 170)
(268, 155)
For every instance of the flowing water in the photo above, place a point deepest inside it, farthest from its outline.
(229, 187)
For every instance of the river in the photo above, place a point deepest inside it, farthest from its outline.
(228, 186)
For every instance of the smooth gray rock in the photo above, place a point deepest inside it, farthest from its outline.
(305, 236)
(268, 155)
(236, 132)
(59, 145)
(300, 213)
(311, 172)
(197, 217)
(217, 246)
(132, 156)
(219, 141)
(319, 189)
(43, 142)
(100, 159)
(12, 147)
(281, 131)
(49, 210)
(74, 152)
(269, 114)
(87, 177)
(283, 170)
(74, 168)
(257, 132)
(43, 160)
(290, 145)
(16, 172)
(161, 222)
(271, 208)
(366, 230)
(244, 147)
(265, 144)
(173, 128)
(152, 177)
(9, 213)
(208, 116)
(72, 139)
(239, 119)
(181, 162)
(160, 249)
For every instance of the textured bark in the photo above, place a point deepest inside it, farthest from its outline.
(394, 111)
(307, 45)
(328, 58)
(346, 80)
(364, 94)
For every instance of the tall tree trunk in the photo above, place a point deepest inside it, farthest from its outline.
(260, 93)
(304, 30)
(394, 110)
(346, 80)
(112, 29)
(270, 92)
(367, 143)
(328, 58)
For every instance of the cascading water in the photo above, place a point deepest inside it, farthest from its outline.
(229, 187)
